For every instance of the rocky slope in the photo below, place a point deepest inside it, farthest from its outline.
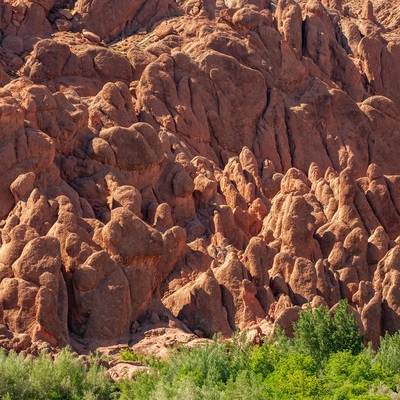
(207, 165)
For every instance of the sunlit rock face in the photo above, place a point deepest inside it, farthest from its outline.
(211, 165)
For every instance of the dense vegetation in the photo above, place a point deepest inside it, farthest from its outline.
(326, 359)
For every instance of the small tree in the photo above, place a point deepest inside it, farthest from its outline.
(346, 332)
(319, 334)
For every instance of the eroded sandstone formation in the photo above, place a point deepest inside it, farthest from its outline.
(214, 164)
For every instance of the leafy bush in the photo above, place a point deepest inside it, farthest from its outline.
(212, 364)
(389, 352)
(14, 375)
(347, 376)
(319, 334)
(129, 355)
(43, 378)
(247, 385)
(263, 359)
(294, 377)
(139, 389)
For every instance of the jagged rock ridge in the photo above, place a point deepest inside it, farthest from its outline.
(219, 164)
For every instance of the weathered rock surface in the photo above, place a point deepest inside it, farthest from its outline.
(215, 167)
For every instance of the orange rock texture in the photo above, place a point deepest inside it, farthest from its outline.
(215, 164)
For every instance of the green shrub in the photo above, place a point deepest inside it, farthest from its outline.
(42, 378)
(294, 377)
(185, 388)
(14, 375)
(208, 365)
(345, 334)
(263, 359)
(319, 334)
(139, 389)
(347, 376)
(247, 385)
(129, 355)
(389, 352)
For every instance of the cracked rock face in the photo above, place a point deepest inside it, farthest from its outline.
(214, 164)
